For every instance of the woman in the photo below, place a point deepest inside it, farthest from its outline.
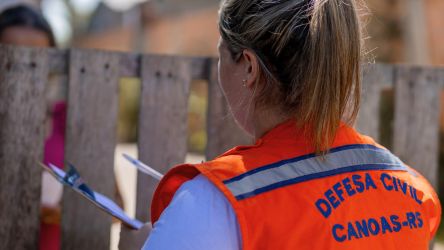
(290, 71)
(25, 26)
(22, 24)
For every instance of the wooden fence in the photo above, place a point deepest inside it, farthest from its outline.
(91, 128)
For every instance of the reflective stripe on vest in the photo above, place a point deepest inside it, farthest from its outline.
(350, 158)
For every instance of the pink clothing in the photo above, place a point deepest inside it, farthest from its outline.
(55, 143)
(55, 154)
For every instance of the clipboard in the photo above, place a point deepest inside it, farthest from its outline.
(72, 179)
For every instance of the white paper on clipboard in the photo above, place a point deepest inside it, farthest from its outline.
(72, 179)
(144, 168)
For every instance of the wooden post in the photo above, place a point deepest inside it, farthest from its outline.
(415, 32)
(23, 77)
(417, 107)
(163, 121)
(374, 78)
(222, 131)
(90, 144)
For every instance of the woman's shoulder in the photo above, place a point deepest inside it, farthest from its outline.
(199, 185)
(198, 216)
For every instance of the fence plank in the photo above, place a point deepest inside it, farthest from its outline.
(417, 106)
(375, 77)
(222, 131)
(90, 143)
(130, 63)
(58, 63)
(22, 113)
(163, 121)
(199, 67)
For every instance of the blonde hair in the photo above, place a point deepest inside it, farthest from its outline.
(309, 54)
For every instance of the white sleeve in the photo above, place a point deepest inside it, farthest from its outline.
(198, 218)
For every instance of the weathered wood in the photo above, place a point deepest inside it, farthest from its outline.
(163, 121)
(374, 78)
(58, 61)
(199, 67)
(90, 143)
(417, 110)
(22, 113)
(129, 64)
(222, 131)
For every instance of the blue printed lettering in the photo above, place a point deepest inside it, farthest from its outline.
(418, 218)
(415, 195)
(383, 177)
(385, 226)
(359, 185)
(348, 188)
(396, 224)
(402, 185)
(351, 231)
(335, 229)
(395, 185)
(411, 219)
(362, 228)
(329, 195)
(323, 207)
(355, 230)
(339, 192)
(369, 182)
(373, 226)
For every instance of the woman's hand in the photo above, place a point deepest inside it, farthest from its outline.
(131, 239)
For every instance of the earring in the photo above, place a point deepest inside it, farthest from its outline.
(244, 83)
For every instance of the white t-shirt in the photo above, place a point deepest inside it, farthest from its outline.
(198, 218)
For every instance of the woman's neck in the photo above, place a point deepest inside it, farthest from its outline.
(266, 120)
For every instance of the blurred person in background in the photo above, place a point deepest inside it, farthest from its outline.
(23, 24)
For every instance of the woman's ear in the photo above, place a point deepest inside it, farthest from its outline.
(251, 68)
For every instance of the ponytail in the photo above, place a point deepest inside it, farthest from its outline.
(332, 80)
(309, 53)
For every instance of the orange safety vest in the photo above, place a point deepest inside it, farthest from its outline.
(358, 196)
